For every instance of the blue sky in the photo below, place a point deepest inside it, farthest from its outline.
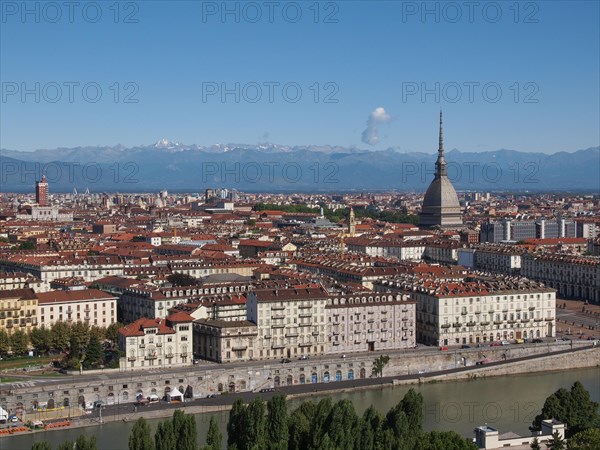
(177, 56)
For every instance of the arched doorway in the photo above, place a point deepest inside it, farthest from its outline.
(550, 334)
(220, 387)
(338, 375)
(242, 385)
(326, 377)
(302, 379)
(125, 396)
(66, 402)
(351, 374)
(81, 401)
(110, 399)
(290, 380)
(277, 381)
(50, 404)
(363, 373)
(232, 387)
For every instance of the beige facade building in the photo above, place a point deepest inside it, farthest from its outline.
(290, 322)
(473, 309)
(18, 310)
(368, 321)
(225, 340)
(572, 276)
(157, 343)
(90, 306)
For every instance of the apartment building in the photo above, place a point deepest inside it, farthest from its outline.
(572, 276)
(367, 321)
(476, 309)
(18, 310)
(157, 343)
(225, 340)
(91, 306)
(290, 322)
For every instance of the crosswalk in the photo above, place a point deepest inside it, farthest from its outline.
(26, 384)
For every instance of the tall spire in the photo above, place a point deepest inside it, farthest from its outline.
(440, 165)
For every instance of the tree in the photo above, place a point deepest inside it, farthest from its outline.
(447, 440)
(112, 332)
(27, 245)
(164, 437)
(342, 425)
(4, 343)
(83, 443)
(182, 279)
(94, 355)
(60, 335)
(253, 425)
(299, 426)
(535, 444)
(378, 365)
(68, 445)
(140, 439)
(19, 342)
(214, 438)
(585, 440)
(277, 423)
(556, 442)
(41, 339)
(234, 424)
(412, 405)
(43, 445)
(574, 407)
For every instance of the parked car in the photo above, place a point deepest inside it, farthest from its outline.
(211, 396)
(505, 343)
(303, 357)
(495, 344)
(269, 389)
(286, 360)
(537, 341)
(153, 398)
(519, 341)
(482, 361)
(565, 338)
(443, 348)
(465, 346)
(13, 418)
(98, 404)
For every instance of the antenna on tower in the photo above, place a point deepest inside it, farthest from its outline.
(74, 192)
(87, 191)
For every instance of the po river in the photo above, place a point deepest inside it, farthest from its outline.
(508, 403)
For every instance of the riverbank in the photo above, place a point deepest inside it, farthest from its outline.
(544, 363)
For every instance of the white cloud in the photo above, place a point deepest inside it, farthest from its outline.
(378, 116)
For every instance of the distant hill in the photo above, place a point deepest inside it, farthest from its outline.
(278, 168)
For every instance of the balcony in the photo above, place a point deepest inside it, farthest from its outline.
(532, 308)
(446, 325)
(336, 333)
(305, 315)
(159, 344)
(131, 358)
(267, 336)
(142, 345)
(277, 308)
(463, 313)
(497, 322)
(239, 347)
(278, 325)
(512, 321)
(169, 355)
(456, 325)
(315, 333)
(491, 311)
(371, 320)
(153, 356)
(404, 328)
(404, 309)
(524, 320)
(304, 306)
(471, 324)
(404, 319)
(384, 319)
(335, 343)
(549, 319)
(484, 323)
(477, 312)
(278, 317)
(404, 338)
(305, 344)
(538, 319)
(305, 324)
(293, 334)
